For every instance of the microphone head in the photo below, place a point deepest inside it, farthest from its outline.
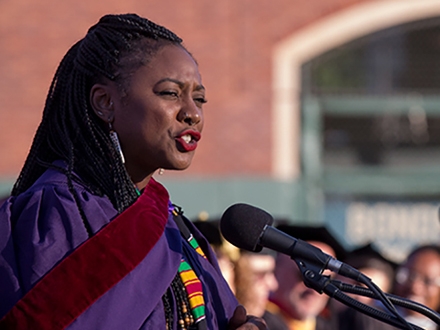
(242, 225)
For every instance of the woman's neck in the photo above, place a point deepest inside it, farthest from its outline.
(140, 185)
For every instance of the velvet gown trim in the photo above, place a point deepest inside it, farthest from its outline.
(94, 267)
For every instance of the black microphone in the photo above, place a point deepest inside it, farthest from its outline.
(249, 228)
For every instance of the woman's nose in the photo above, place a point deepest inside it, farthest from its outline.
(190, 113)
(190, 118)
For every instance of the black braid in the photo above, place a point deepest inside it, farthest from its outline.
(75, 195)
(167, 299)
(185, 319)
(69, 129)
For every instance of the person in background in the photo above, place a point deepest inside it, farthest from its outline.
(227, 254)
(255, 280)
(418, 279)
(293, 306)
(381, 271)
(369, 261)
(250, 275)
(89, 239)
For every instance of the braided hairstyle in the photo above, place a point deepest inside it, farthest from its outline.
(70, 130)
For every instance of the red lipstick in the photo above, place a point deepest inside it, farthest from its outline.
(188, 140)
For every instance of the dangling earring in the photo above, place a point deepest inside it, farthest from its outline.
(115, 140)
(161, 171)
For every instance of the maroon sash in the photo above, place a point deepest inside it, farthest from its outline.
(94, 267)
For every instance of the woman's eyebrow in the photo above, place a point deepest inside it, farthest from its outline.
(179, 83)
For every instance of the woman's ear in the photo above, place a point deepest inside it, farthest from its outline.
(101, 102)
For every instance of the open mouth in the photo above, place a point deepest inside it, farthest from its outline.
(188, 140)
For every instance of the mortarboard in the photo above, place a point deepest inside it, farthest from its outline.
(314, 233)
(210, 229)
(367, 256)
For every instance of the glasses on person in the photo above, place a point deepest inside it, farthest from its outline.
(405, 275)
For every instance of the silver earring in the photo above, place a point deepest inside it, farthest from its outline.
(161, 171)
(115, 140)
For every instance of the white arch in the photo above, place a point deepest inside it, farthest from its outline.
(305, 44)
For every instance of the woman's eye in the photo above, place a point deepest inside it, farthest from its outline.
(200, 100)
(169, 93)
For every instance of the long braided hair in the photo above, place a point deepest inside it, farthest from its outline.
(69, 129)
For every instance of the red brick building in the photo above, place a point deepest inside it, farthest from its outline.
(252, 56)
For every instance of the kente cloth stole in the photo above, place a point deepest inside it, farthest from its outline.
(192, 284)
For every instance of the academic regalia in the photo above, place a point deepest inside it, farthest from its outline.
(53, 275)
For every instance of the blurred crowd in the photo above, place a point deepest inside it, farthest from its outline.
(271, 285)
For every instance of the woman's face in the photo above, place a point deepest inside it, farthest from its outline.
(160, 118)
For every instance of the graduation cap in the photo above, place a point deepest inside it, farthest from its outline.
(368, 256)
(210, 229)
(314, 233)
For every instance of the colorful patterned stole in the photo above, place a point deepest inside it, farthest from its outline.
(193, 286)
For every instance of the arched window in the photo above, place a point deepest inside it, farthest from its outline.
(380, 97)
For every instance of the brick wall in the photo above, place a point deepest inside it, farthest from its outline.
(232, 41)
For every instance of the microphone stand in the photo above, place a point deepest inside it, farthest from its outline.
(313, 278)
(399, 301)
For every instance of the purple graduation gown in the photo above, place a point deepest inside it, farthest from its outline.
(48, 265)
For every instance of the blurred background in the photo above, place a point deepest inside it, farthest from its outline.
(320, 112)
